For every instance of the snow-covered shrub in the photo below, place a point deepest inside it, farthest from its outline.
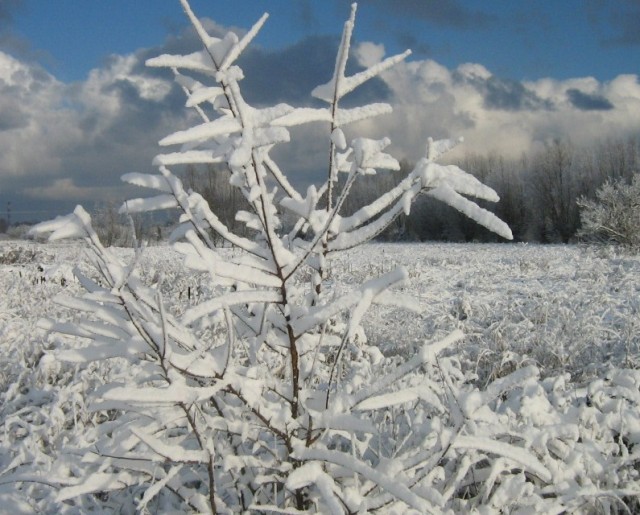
(263, 394)
(614, 216)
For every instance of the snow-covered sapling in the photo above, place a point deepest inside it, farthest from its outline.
(264, 394)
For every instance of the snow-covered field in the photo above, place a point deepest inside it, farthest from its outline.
(564, 309)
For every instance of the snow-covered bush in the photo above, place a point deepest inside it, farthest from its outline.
(263, 394)
(614, 215)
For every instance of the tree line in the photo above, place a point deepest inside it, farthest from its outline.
(540, 193)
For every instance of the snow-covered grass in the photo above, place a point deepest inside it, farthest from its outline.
(562, 308)
(567, 314)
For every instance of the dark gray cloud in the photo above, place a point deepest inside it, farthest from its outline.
(504, 94)
(8, 8)
(139, 114)
(628, 27)
(418, 48)
(12, 116)
(300, 68)
(14, 43)
(180, 41)
(286, 75)
(18, 88)
(511, 95)
(304, 13)
(617, 23)
(587, 101)
(444, 13)
(186, 40)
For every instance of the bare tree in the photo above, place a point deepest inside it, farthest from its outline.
(553, 181)
(213, 182)
(118, 228)
(111, 226)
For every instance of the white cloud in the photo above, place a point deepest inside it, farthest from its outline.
(369, 53)
(40, 123)
(96, 130)
(474, 71)
(55, 137)
(502, 116)
(97, 92)
(625, 88)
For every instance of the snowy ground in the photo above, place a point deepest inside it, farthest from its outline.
(565, 309)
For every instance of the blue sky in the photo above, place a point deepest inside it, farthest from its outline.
(78, 109)
(516, 39)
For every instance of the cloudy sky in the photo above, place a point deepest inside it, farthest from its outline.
(78, 108)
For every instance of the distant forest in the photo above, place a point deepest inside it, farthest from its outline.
(539, 195)
(538, 192)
